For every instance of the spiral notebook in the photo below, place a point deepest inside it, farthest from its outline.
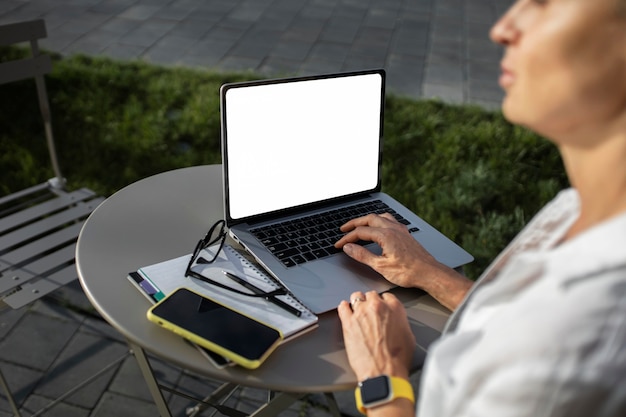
(158, 280)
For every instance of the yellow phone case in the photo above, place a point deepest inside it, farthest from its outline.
(238, 359)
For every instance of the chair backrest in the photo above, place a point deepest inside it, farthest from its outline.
(39, 226)
(36, 66)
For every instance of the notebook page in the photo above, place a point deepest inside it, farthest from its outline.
(169, 275)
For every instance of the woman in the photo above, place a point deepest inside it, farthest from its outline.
(543, 331)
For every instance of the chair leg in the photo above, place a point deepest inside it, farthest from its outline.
(81, 385)
(6, 389)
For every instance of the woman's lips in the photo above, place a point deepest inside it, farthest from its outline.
(506, 77)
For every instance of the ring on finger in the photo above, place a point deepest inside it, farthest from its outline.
(355, 300)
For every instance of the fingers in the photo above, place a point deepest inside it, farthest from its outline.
(360, 254)
(368, 228)
(358, 232)
(389, 297)
(373, 220)
(389, 216)
(392, 300)
(376, 335)
(356, 298)
(346, 308)
(344, 311)
(371, 296)
(359, 221)
(359, 300)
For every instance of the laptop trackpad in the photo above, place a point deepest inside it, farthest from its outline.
(323, 284)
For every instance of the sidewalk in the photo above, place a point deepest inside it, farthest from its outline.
(430, 48)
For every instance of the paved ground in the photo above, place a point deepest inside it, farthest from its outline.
(46, 349)
(430, 48)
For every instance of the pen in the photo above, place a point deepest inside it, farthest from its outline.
(270, 298)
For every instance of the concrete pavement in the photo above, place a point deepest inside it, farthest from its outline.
(430, 48)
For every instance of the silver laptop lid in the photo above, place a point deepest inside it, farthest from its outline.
(296, 142)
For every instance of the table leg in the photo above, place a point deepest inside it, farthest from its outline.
(333, 407)
(148, 376)
(220, 395)
(280, 402)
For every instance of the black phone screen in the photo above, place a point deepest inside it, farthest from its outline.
(217, 323)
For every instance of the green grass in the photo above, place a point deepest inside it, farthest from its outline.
(463, 169)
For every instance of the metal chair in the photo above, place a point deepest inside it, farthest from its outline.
(39, 225)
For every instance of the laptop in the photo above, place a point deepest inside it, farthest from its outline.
(300, 157)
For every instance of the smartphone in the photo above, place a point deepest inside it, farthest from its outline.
(216, 360)
(216, 327)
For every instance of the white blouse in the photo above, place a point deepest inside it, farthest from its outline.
(543, 332)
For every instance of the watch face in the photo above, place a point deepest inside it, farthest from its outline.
(375, 389)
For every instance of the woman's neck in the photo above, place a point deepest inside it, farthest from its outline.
(598, 172)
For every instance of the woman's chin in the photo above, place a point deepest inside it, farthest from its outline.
(508, 108)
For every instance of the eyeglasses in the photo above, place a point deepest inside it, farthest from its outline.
(217, 233)
(217, 236)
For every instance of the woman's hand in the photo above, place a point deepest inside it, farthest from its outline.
(403, 260)
(377, 335)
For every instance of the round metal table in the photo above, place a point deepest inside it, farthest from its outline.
(162, 217)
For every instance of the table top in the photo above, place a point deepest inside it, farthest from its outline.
(162, 217)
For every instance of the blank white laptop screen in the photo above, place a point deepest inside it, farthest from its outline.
(290, 144)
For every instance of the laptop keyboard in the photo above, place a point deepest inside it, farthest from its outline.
(313, 237)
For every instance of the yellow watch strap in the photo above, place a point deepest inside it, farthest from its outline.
(400, 388)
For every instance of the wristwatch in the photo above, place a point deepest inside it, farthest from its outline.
(381, 390)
